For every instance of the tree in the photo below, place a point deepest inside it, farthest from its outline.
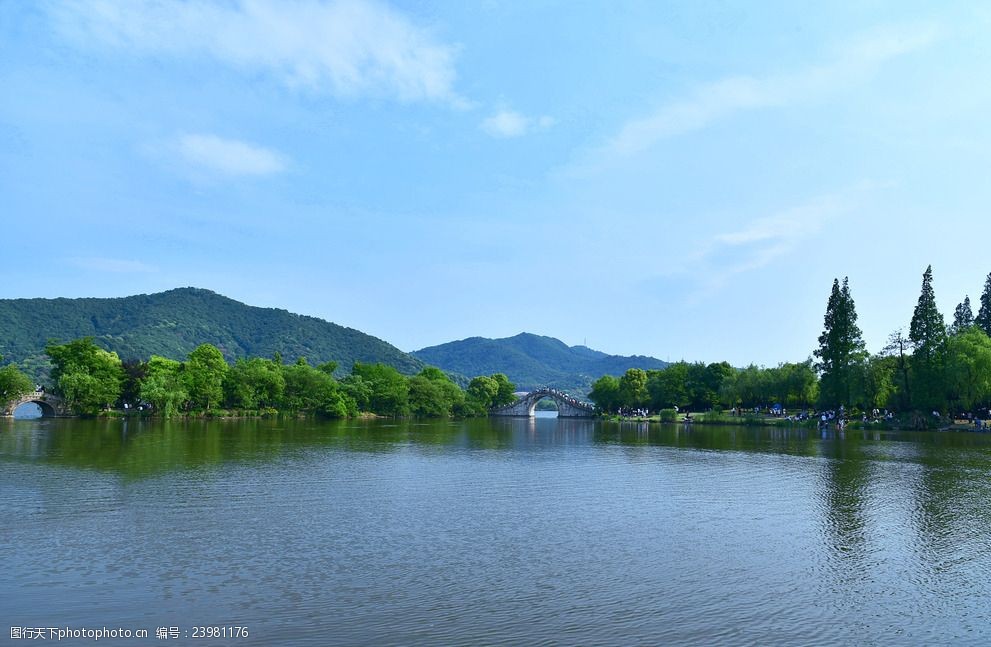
(134, 373)
(605, 393)
(204, 373)
(963, 317)
(389, 388)
(163, 387)
(506, 394)
(928, 334)
(305, 388)
(984, 313)
(798, 386)
(898, 347)
(481, 393)
(255, 383)
(633, 388)
(968, 368)
(841, 348)
(433, 394)
(879, 380)
(87, 377)
(13, 383)
(668, 387)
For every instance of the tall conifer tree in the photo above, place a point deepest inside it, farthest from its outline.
(963, 316)
(841, 348)
(928, 334)
(984, 313)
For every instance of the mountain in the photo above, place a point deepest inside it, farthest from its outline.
(532, 360)
(173, 323)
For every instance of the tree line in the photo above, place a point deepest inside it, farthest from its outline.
(91, 379)
(934, 367)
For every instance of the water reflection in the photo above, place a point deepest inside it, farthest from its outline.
(501, 531)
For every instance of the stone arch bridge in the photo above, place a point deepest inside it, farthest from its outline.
(51, 405)
(567, 406)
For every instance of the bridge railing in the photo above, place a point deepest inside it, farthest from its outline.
(554, 394)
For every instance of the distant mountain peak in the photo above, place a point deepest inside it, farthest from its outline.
(174, 322)
(532, 360)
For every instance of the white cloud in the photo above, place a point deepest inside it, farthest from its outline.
(720, 99)
(348, 48)
(229, 156)
(113, 265)
(767, 239)
(509, 123)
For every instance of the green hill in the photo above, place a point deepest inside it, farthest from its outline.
(532, 360)
(175, 322)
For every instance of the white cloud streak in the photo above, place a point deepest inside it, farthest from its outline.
(229, 156)
(718, 100)
(348, 48)
(507, 124)
(767, 239)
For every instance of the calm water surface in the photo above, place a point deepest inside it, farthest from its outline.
(495, 532)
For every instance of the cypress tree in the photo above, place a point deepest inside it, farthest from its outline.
(928, 330)
(963, 316)
(984, 313)
(928, 334)
(841, 347)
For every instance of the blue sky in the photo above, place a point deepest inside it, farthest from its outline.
(678, 179)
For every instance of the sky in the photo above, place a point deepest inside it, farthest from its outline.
(676, 179)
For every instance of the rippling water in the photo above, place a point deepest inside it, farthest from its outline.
(501, 532)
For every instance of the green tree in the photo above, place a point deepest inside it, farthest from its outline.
(605, 393)
(305, 388)
(163, 386)
(963, 317)
(841, 348)
(482, 391)
(87, 377)
(633, 388)
(360, 391)
(13, 383)
(255, 383)
(716, 374)
(337, 404)
(968, 368)
(798, 385)
(928, 334)
(506, 394)
(389, 388)
(879, 380)
(984, 312)
(205, 372)
(433, 394)
(898, 348)
(668, 387)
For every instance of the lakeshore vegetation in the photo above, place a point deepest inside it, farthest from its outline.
(935, 367)
(92, 380)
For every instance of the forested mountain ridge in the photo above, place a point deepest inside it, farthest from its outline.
(173, 323)
(532, 360)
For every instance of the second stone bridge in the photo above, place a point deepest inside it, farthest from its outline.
(567, 406)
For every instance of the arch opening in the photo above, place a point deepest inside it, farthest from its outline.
(545, 407)
(34, 409)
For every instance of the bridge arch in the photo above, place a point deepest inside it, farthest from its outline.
(567, 405)
(51, 405)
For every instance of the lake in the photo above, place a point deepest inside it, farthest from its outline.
(494, 532)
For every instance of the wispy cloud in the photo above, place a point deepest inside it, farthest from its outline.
(111, 265)
(229, 156)
(720, 99)
(764, 240)
(348, 48)
(509, 123)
